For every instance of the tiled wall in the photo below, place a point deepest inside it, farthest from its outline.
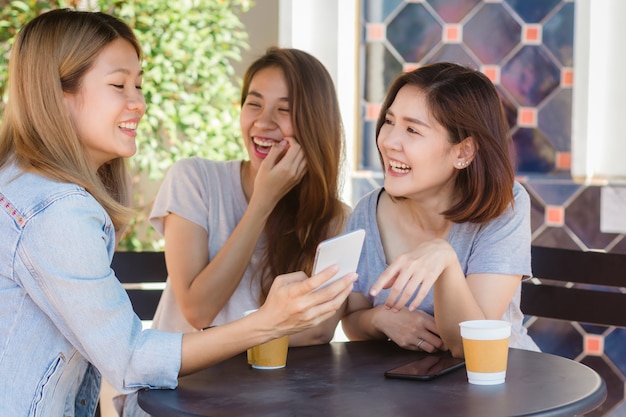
(526, 48)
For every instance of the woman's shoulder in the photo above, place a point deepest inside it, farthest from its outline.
(31, 192)
(364, 213)
(520, 195)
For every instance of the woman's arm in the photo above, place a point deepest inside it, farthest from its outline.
(291, 306)
(434, 264)
(202, 288)
(480, 296)
(406, 328)
(320, 334)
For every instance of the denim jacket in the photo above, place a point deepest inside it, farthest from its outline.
(64, 317)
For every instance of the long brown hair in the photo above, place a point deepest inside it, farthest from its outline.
(312, 210)
(465, 102)
(50, 57)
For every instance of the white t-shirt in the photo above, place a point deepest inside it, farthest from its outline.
(210, 194)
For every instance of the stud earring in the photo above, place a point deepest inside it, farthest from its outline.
(460, 164)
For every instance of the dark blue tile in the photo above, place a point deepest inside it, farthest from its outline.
(593, 329)
(557, 337)
(614, 344)
(555, 120)
(558, 35)
(532, 11)
(530, 76)
(582, 216)
(414, 32)
(533, 152)
(491, 33)
(554, 193)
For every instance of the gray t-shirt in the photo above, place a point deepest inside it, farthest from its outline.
(210, 194)
(501, 246)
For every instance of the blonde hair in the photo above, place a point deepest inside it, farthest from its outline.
(50, 57)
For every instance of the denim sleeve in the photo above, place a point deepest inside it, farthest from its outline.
(63, 262)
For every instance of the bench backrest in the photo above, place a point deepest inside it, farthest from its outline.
(143, 275)
(587, 287)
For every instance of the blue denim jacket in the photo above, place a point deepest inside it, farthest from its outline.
(64, 317)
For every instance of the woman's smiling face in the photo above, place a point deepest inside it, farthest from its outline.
(265, 115)
(109, 105)
(415, 149)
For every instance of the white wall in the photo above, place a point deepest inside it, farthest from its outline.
(599, 94)
(261, 23)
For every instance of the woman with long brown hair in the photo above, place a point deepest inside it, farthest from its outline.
(231, 226)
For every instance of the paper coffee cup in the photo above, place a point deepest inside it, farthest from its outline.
(486, 348)
(269, 355)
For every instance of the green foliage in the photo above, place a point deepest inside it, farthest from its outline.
(189, 84)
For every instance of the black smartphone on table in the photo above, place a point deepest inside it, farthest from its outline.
(426, 368)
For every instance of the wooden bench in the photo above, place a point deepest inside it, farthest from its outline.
(586, 287)
(143, 275)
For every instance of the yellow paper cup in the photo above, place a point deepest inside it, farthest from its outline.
(269, 355)
(486, 347)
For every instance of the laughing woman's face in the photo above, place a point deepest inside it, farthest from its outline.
(265, 115)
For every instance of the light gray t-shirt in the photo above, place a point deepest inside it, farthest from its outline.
(501, 246)
(210, 194)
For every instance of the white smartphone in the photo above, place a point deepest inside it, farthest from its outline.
(343, 250)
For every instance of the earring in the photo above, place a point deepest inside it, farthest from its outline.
(460, 164)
